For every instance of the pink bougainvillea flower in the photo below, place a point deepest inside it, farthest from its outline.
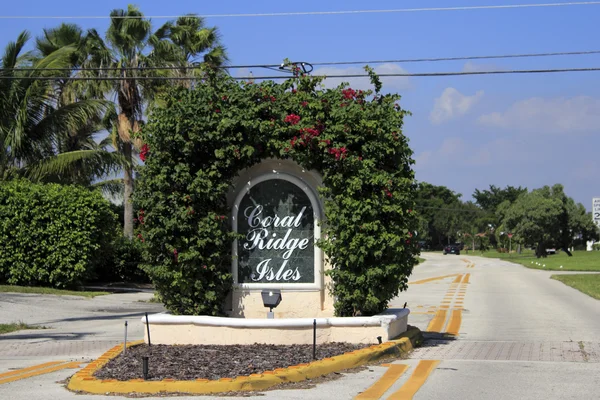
(304, 103)
(292, 119)
(217, 111)
(144, 152)
(175, 255)
(349, 93)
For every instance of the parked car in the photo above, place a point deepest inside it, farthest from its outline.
(452, 249)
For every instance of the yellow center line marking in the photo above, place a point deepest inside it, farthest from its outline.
(466, 278)
(437, 323)
(20, 371)
(454, 323)
(465, 260)
(39, 371)
(458, 278)
(437, 278)
(376, 390)
(416, 380)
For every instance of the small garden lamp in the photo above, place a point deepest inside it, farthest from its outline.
(271, 298)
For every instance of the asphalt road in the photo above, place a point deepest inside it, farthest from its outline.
(517, 335)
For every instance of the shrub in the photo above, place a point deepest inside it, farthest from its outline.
(124, 263)
(198, 142)
(52, 235)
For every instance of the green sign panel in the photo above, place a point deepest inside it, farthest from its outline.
(276, 219)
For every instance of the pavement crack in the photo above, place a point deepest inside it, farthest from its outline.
(584, 353)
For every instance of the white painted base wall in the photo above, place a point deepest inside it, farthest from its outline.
(173, 330)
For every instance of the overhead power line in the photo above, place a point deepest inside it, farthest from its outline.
(417, 74)
(277, 66)
(309, 13)
(460, 58)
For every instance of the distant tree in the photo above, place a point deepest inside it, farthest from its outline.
(437, 207)
(489, 200)
(548, 217)
(534, 217)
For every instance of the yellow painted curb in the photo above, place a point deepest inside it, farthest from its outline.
(85, 381)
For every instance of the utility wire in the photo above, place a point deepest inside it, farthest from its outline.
(277, 66)
(416, 60)
(454, 209)
(417, 74)
(304, 13)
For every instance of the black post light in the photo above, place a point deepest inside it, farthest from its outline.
(271, 298)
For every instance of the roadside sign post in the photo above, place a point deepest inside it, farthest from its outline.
(596, 210)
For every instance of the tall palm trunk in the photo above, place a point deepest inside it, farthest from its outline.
(125, 131)
(128, 191)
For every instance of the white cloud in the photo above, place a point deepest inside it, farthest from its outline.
(390, 83)
(543, 115)
(452, 104)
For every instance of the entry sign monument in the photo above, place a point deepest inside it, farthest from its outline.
(275, 212)
(276, 220)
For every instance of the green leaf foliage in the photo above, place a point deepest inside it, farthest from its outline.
(203, 137)
(52, 235)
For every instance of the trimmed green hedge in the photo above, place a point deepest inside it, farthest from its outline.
(124, 266)
(52, 235)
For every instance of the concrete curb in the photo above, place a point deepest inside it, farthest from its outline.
(85, 381)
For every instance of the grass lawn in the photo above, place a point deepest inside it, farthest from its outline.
(581, 260)
(16, 326)
(585, 283)
(43, 290)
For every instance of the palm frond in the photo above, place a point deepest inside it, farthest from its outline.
(81, 164)
(70, 117)
(113, 187)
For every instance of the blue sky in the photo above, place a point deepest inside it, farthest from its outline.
(467, 132)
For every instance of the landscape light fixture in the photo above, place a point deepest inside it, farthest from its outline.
(271, 298)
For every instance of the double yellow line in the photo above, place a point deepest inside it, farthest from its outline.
(40, 369)
(410, 387)
(457, 289)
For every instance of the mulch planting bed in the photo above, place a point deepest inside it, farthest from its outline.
(191, 362)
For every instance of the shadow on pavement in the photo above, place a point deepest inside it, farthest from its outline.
(48, 335)
(98, 317)
(435, 339)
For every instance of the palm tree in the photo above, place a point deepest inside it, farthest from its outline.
(34, 118)
(129, 47)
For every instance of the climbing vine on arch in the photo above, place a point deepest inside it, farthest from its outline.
(202, 137)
